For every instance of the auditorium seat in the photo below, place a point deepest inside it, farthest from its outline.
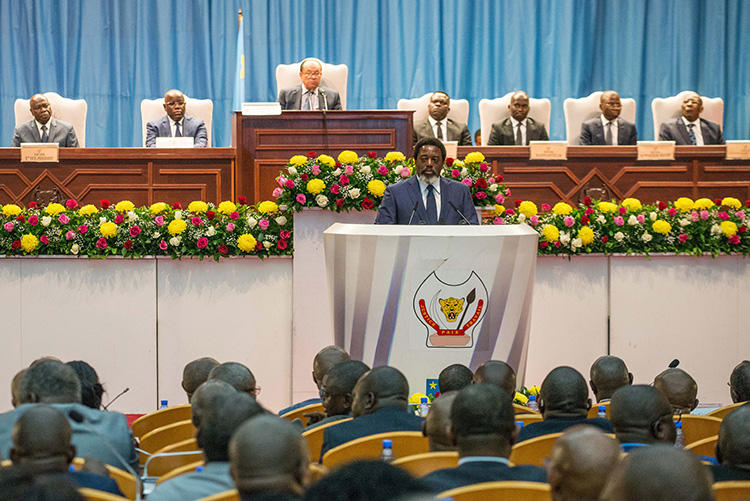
(664, 109)
(180, 470)
(300, 413)
(697, 428)
(405, 443)
(161, 437)
(125, 481)
(704, 448)
(579, 110)
(534, 450)
(162, 417)
(335, 76)
(459, 111)
(529, 418)
(420, 465)
(522, 409)
(232, 495)
(172, 456)
(68, 110)
(723, 411)
(151, 109)
(496, 110)
(522, 491)
(732, 491)
(314, 438)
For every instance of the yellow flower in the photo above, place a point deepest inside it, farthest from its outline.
(702, 203)
(267, 207)
(348, 157)
(376, 187)
(520, 397)
(534, 390)
(29, 242)
(458, 164)
(108, 229)
(607, 206)
(227, 207)
(586, 234)
(54, 209)
(87, 210)
(499, 210)
(731, 202)
(246, 242)
(327, 161)
(474, 157)
(685, 204)
(632, 204)
(417, 397)
(395, 156)
(661, 226)
(176, 227)
(527, 208)
(158, 207)
(124, 206)
(197, 206)
(562, 209)
(728, 228)
(315, 186)
(550, 233)
(11, 210)
(298, 160)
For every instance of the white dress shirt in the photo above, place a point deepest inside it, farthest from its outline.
(173, 126)
(39, 127)
(696, 130)
(443, 126)
(516, 125)
(614, 126)
(436, 191)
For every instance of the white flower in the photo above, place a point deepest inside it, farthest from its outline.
(646, 237)
(283, 208)
(397, 169)
(337, 172)
(74, 249)
(292, 170)
(564, 237)
(577, 242)
(102, 219)
(353, 193)
(464, 172)
(601, 219)
(493, 188)
(156, 234)
(281, 220)
(632, 220)
(684, 222)
(267, 244)
(715, 229)
(175, 241)
(365, 169)
(619, 236)
(652, 216)
(521, 218)
(321, 200)
(210, 231)
(251, 221)
(132, 216)
(178, 214)
(46, 220)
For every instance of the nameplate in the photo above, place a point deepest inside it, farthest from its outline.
(451, 149)
(656, 150)
(738, 150)
(40, 152)
(175, 142)
(254, 109)
(548, 150)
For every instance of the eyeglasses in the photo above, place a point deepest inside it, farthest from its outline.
(311, 74)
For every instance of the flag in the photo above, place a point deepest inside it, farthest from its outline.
(432, 388)
(239, 74)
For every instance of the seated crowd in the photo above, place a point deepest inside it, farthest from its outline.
(628, 455)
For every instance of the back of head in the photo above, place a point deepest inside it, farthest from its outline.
(659, 473)
(220, 420)
(454, 377)
(733, 448)
(205, 396)
(641, 413)
(498, 373)
(380, 387)
(267, 454)
(196, 373)
(344, 376)
(437, 424)
(608, 373)
(482, 417)
(236, 374)
(50, 381)
(15, 388)
(739, 382)
(41, 440)
(564, 393)
(679, 388)
(365, 480)
(91, 389)
(325, 359)
(22, 484)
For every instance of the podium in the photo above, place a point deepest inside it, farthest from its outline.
(420, 298)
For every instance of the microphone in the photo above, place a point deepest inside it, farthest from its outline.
(325, 118)
(674, 363)
(413, 212)
(325, 98)
(116, 397)
(466, 221)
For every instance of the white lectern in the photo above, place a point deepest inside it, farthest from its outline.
(420, 298)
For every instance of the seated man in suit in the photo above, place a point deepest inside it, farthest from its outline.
(518, 129)
(310, 95)
(322, 363)
(368, 480)
(641, 415)
(564, 402)
(680, 389)
(483, 428)
(381, 404)
(690, 128)
(438, 125)
(44, 128)
(427, 197)
(607, 374)
(337, 391)
(437, 423)
(739, 382)
(608, 128)
(236, 374)
(733, 447)
(175, 123)
(498, 373)
(454, 377)
(196, 373)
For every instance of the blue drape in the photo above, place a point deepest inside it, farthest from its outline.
(114, 53)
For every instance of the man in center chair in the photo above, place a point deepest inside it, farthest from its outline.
(175, 123)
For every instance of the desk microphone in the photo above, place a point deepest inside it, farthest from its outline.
(325, 118)
(413, 211)
(674, 363)
(325, 98)
(116, 397)
(465, 221)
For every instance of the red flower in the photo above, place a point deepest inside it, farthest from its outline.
(284, 234)
(33, 220)
(177, 205)
(717, 201)
(242, 200)
(16, 244)
(210, 214)
(21, 218)
(343, 180)
(480, 195)
(83, 229)
(281, 244)
(449, 161)
(747, 203)
(605, 239)
(196, 221)
(305, 177)
(338, 164)
(312, 154)
(734, 239)
(234, 215)
(557, 243)
(683, 237)
(367, 204)
(518, 202)
(543, 244)
(101, 243)
(71, 204)
(44, 239)
(259, 246)
(202, 243)
(335, 189)
(135, 230)
(223, 249)
(587, 201)
(510, 212)
(588, 211)
(119, 218)
(481, 183)
(546, 207)
(372, 154)
(340, 202)
(128, 244)
(662, 205)
(622, 210)
(585, 220)
(742, 229)
(32, 205)
(499, 178)
(104, 204)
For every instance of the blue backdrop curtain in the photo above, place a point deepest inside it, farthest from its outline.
(114, 53)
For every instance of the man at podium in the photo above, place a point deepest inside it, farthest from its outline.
(427, 197)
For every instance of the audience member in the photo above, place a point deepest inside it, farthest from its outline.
(322, 363)
(484, 430)
(309, 95)
(689, 128)
(21, 484)
(518, 129)
(98, 434)
(236, 374)
(608, 128)
(220, 420)
(175, 123)
(91, 389)
(733, 447)
(640, 416)
(608, 373)
(658, 473)
(337, 389)
(269, 460)
(454, 377)
(205, 397)
(15, 388)
(196, 373)
(437, 424)
(44, 128)
(739, 382)
(580, 462)
(438, 125)
(563, 401)
(380, 404)
(366, 480)
(498, 373)
(679, 388)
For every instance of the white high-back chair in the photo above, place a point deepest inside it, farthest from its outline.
(335, 76)
(578, 110)
(151, 109)
(496, 110)
(459, 111)
(68, 110)
(664, 109)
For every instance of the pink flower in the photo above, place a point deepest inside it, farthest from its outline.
(349, 170)
(159, 220)
(740, 214)
(481, 195)
(263, 224)
(704, 214)
(281, 180)
(343, 180)
(682, 237)
(234, 215)
(284, 234)
(510, 212)
(163, 245)
(71, 204)
(723, 215)
(491, 180)
(119, 218)
(641, 218)
(534, 220)
(202, 242)
(83, 229)
(588, 212)
(455, 172)
(289, 183)
(569, 221)
(135, 230)
(196, 221)
(45, 240)
(468, 182)
(277, 192)
(101, 243)
(33, 220)
(315, 170)
(546, 207)
(672, 211)
(622, 210)
(8, 226)
(484, 167)
(301, 198)
(694, 216)
(498, 220)
(230, 226)
(499, 199)
(734, 239)
(335, 189)
(405, 173)
(557, 243)
(70, 235)
(619, 221)
(382, 170)
(64, 219)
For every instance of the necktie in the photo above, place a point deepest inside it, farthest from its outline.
(431, 205)
(608, 134)
(519, 136)
(308, 101)
(691, 133)
(45, 136)
(439, 132)
(177, 130)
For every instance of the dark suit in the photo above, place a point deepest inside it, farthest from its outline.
(502, 132)
(94, 481)
(559, 424)
(399, 200)
(592, 132)
(454, 130)
(299, 405)
(723, 473)
(191, 127)
(291, 98)
(380, 421)
(675, 130)
(59, 132)
(475, 472)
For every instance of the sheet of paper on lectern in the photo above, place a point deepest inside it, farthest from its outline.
(272, 108)
(175, 142)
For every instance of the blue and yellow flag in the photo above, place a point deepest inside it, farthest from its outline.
(239, 74)
(432, 389)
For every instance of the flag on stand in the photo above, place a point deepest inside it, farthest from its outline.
(239, 74)
(432, 389)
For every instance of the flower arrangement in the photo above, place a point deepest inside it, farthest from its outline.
(684, 226)
(522, 396)
(485, 187)
(201, 230)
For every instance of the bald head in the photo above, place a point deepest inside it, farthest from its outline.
(221, 420)
(608, 373)
(739, 382)
(436, 426)
(497, 373)
(564, 393)
(454, 377)
(659, 473)
(51, 382)
(580, 463)
(196, 373)
(679, 388)
(41, 439)
(380, 387)
(206, 395)
(324, 360)
(733, 448)
(482, 421)
(236, 374)
(641, 414)
(267, 454)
